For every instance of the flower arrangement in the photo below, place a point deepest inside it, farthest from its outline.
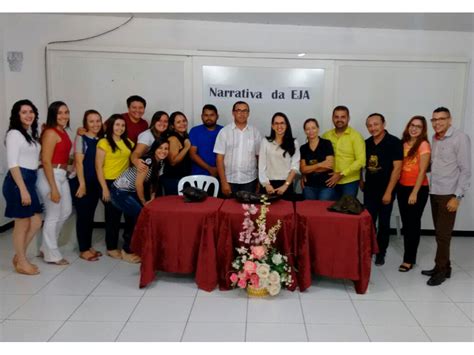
(259, 265)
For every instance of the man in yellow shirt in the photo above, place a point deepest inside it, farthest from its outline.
(349, 154)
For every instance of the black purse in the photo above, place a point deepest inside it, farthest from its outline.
(347, 204)
(193, 194)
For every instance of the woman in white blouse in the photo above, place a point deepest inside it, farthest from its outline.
(19, 187)
(279, 158)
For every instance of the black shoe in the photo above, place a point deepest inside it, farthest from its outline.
(434, 270)
(437, 279)
(379, 260)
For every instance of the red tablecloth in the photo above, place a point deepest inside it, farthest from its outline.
(231, 216)
(333, 244)
(175, 236)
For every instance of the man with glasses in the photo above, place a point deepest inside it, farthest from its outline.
(384, 155)
(450, 180)
(237, 146)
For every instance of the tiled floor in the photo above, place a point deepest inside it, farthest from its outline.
(101, 301)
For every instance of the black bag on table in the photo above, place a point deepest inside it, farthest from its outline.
(347, 204)
(193, 194)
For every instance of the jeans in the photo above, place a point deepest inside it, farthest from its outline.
(112, 225)
(55, 214)
(411, 220)
(351, 188)
(379, 211)
(85, 211)
(126, 201)
(318, 193)
(444, 223)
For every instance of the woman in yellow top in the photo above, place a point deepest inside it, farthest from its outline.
(112, 159)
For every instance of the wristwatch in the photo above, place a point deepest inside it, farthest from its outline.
(459, 197)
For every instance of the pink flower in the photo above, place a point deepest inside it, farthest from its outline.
(258, 252)
(242, 283)
(254, 279)
(250, 267)
(242, 275)
(234, 278)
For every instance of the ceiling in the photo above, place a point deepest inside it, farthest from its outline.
(407, 21)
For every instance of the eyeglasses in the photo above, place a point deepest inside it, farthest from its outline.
(416, 126)
(241, 111)
(434, 120)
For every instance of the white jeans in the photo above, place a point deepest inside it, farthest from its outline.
(55, 214)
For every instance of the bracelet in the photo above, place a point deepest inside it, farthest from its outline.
(287, 183)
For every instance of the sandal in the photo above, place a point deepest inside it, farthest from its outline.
(404, 268)
(15, 263)
(116, 254)
(96, 252)
(59, 262)
(89, 256)
(31, 271)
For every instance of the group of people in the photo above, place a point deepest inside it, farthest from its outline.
(125, 162)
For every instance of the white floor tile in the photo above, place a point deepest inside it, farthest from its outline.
(219, 310)
(152, 331)
(336, 333)
(438, 314)
(237, 293)
(384, 313)
(88, 331)
(396, 333)
(379, 290)
(422, 293)
(459, 291)
(48, 307)
(229, 332)
(109, 309)
(274, 310)
(73, 284)
(114, 285)
(468, 309)
(162, 309)
(24, 284)
(172, 285)
(276, 332)
(9, 303)
(329, 312)
(26, 330)
(326, 289)
(450, 334)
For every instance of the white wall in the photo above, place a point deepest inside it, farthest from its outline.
(31, 33)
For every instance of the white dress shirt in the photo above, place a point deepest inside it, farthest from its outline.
(271, 163)
(20, 152)
(240, 148)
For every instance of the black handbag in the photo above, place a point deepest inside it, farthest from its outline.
(347, 204)
(193, 194)
(254, 198)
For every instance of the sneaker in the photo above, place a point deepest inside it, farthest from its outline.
(379, 259)
(131, 258)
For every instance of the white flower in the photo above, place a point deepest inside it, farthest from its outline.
(242, 250)
(236, 265)
(274, 278)
(277, 259)
(263, 283)
(244, 258)
(263, 270)
(274, 289)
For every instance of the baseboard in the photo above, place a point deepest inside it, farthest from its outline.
(393, 231)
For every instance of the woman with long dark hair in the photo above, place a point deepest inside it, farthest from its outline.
(128, 190)
(412, 191)
(317, 161)
(19, 187)
(179, 160)
(279, 158)
(53, 185)
(85, 187)
(158, 128)
(112, 159)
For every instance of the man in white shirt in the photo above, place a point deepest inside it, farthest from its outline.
(237, 146)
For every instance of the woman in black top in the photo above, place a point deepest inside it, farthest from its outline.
(317, 160)
(179, 161)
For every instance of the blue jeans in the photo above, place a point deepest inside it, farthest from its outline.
(126, 201)
(318, 193)
(351, 188)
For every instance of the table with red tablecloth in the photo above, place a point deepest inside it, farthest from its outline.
(231, 216)
(333, 244)
(174, 236)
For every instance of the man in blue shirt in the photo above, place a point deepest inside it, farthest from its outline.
(203, 138)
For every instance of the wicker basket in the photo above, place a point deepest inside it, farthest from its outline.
(257, 292)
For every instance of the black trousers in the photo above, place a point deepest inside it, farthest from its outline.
(249, 186)
(411, 219)
(289, 194)
(85, 211)
(380, 213)
(112, 225)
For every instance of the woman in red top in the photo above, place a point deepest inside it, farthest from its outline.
(412, 191)
(52, 184)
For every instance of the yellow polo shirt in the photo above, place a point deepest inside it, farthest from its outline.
(115, 163)
(349, 153)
